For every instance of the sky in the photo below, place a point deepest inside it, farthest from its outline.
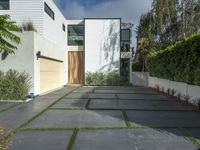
(128, 10)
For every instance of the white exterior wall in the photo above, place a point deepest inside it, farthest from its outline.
(102, 45)
(23, 58)
(181, 88)
(73, 22)
(52, 29)
(23, 11)
(139, 79)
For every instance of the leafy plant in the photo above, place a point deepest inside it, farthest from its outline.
(7, 36)
(158, 88)
(136, 66)
(168, 91)
(28, 26)
(14, 85)
(99, 78)
(5, 140)
(173, 92)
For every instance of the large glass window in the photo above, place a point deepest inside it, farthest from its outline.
(49, 11)
(4, 4)
(75, 35)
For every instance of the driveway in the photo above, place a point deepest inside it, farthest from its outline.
(102, 118)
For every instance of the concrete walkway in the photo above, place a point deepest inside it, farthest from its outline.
(96, 118)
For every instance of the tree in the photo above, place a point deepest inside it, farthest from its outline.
(8, 39)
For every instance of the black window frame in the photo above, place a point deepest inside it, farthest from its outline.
(68, 35)
(46, 6)
(63, 27)
(8, 7)
(129, 35)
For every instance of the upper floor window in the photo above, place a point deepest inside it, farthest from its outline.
(125, 35)
(49, 11)
(75, 35)
(4, 4)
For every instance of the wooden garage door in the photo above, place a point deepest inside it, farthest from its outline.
(76, 67)
(50, 74)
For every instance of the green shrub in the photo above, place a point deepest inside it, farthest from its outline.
(14, 85)
(179, 62)
(136, 66)
(28, 26)
(98, 78)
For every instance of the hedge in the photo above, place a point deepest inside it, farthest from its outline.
(136, 66)
(180, 62)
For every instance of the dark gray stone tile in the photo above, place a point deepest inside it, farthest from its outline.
(125, 91)
(132, 139)
(18, 115)
(142, 96)
(164, 118)
(71, 103)
(77, 95)
(103, 96)
(77, 118)
(41, 140)
(84, 90)
(137, 105)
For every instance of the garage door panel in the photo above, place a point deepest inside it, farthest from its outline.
(50, 75)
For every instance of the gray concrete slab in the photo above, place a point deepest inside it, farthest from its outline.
(102, 96)
(142, 96)
(71, 103)
(4, 106)
(18, 115)
(137, 105)
(132, 139)
(84, 90)
(119, 88)
(77, 95)
(77, 118)
(40, 140)
(164, 118)
(128, 91)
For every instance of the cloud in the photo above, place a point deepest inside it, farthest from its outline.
(128, 10)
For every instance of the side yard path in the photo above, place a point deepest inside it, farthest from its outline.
(96, 118)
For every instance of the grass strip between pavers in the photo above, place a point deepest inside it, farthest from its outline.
(143, 109)
(126, 118)
(37, 115)
(8, 108)
(73, 139)
(88, 103)
(190, 137)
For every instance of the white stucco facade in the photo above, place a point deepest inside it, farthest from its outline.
(102, 45)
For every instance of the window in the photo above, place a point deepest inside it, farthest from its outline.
(4, 4)
(49, 11)
(75, 35)
(125, 33)
(63, 27)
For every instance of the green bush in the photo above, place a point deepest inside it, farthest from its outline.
(136, 66)
(179, 62)
(98, 78)
(14, 85)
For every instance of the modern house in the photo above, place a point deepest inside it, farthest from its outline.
(62, 51)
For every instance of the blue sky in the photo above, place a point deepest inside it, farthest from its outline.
(128, 10)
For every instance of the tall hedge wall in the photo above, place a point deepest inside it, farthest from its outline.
(180, 62)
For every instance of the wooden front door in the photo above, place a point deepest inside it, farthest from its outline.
(76, 67)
